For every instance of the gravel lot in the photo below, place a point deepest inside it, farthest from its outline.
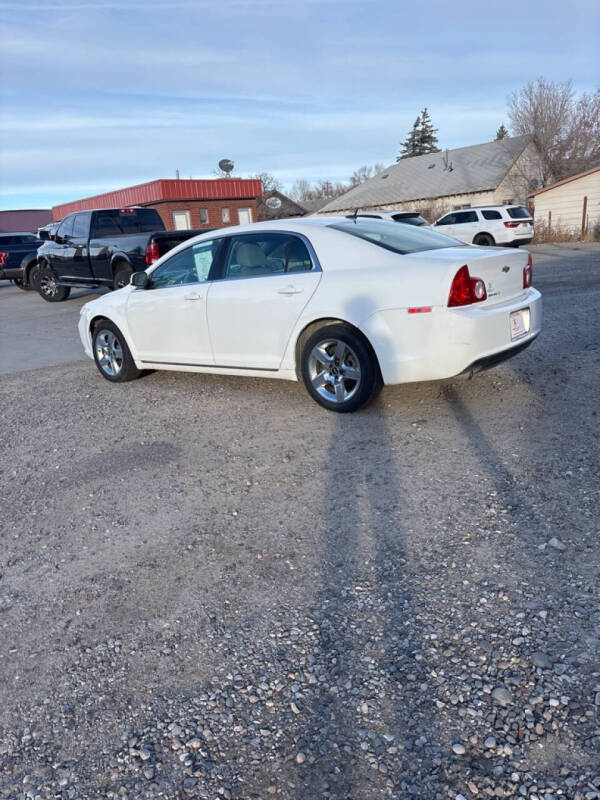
(211, 588)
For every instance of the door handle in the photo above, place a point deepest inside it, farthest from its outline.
(193, 296)
(289, 290)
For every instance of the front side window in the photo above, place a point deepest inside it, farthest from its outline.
(449, 219)
(191, 265)
(81, 226)
(491, 214)
(266, 254)
(66, 227)
(400, 239)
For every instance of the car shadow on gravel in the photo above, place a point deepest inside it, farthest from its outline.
(372, 726)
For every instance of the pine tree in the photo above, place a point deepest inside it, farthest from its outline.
(501, 132)
(410, 144)
(421, 139)
(427, 140)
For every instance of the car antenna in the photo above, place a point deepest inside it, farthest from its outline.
(355, 215)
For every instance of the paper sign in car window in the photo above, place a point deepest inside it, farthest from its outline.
(203, 258)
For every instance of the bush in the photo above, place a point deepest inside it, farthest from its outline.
(555, 233)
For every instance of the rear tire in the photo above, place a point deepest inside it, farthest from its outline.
(484, 240)
(112, 355)
(122, 277)
(48, 287)
(339, 369)
(34, 277)
(20, 285)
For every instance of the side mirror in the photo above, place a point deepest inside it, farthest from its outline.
(141, 280)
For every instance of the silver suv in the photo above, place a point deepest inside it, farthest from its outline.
(488, 225)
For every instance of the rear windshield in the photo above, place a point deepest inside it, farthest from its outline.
(401, 239)
(518, 212)
(410, 219)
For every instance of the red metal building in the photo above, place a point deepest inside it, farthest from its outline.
(182, 203)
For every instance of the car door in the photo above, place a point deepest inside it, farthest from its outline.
(266, 280)
(75, 252)
(60, 252)
(446, 224)
(167, 321)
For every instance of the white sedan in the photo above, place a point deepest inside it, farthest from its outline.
(343, 305)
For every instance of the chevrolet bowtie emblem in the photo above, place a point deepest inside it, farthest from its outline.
(506, 268)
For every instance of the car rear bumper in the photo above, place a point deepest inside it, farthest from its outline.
(449, 341)
(492, 361)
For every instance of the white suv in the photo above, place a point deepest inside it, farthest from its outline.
(488, 225)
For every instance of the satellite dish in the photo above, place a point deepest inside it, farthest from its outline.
(273, 203)
(226, 165)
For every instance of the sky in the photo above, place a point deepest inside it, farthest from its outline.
(101, 94)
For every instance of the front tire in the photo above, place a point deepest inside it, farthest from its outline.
(339, 369)
(484, 240)
(20, 285)
(48, 287)
(112, 355)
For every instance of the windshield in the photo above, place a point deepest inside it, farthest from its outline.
(401, 239)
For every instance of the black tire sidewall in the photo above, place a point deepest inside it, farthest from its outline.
(370, 375)
(62, 293)
(484, 240)
(128, 371)
(120, 272)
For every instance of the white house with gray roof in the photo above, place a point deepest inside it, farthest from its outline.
(502, 171)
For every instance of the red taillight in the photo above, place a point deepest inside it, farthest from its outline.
(465, 289)
(152, 253)
(511, 224)
(528, 273)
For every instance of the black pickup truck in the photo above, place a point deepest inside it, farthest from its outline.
(18, 257)
(102, 248)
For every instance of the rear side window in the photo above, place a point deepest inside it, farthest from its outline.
(465, 216)
(139, 220)
(105, 225)
(127, 220)
(490, 214)
(259, 254)
(518, 212)
(401, 239)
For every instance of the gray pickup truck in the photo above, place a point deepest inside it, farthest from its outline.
(102, 248)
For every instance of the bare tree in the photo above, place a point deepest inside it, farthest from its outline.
(565, 129)
(321, 190)
(269, 182)
(364, 173)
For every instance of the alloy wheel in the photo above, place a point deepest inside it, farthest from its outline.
(109, 353)
(334, 370)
